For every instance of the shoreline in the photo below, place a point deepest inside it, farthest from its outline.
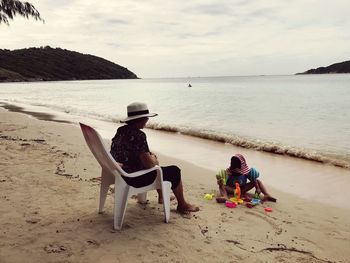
(333, 159)
(256, 145)
(301, 178)
(38, 115)
(49, 211)
(54, 80)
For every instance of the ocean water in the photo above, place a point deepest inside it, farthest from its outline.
(305, 116)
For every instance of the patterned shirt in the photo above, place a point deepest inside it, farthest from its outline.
(127, 145)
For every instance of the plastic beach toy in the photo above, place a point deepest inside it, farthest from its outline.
(208, 196)
(238, 191)
(268, 209)
(249, 205)
(230, 204)
(236, 200)
(255, 201)
(257, 196)
(247, 199)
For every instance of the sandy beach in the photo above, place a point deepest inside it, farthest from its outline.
(49, 200)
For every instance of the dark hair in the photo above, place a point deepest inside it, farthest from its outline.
(235, 162)
(136, 120)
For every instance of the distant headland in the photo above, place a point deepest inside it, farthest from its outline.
(47, 64)
(342, 67)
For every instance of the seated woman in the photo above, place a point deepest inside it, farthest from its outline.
(130, 147)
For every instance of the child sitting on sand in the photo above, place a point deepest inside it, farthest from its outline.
(239, 172)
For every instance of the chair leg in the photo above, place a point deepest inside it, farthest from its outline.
(120, 203)
(142, 198)
(105, 183)
(166, 189)
(103, 196)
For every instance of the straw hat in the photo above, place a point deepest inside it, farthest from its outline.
(137, 110)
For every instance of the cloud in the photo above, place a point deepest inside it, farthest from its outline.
(157, 38)
(210, 9)
(114, 21)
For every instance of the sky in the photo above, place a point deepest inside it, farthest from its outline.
(192, 38)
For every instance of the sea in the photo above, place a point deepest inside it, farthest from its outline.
(304, 116)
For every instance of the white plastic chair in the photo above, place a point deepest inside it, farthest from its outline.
(111, 174)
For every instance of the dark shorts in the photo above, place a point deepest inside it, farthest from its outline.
(170, 173)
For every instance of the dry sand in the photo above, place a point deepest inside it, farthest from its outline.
(48, 208)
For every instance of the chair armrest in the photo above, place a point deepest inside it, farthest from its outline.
(141, 172)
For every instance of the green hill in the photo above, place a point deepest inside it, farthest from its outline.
(46, 63)
(342, 67)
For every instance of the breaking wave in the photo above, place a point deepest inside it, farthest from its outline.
(258, 145)
(241, 141)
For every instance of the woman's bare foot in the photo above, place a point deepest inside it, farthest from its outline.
(187, 208)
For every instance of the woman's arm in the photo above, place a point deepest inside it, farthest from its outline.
(148, 160)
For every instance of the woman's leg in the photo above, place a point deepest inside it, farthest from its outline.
(173, 174)
(182, 205)
(160, 197)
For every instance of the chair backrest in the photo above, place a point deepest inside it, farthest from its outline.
(97, 147)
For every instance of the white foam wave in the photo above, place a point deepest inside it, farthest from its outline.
(241, 141)
(258, 145)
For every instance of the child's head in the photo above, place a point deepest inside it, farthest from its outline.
(235, 162)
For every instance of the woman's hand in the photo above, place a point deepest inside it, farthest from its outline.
(155, 156)
(148, 160)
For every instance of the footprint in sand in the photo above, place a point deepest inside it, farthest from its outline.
(33, 220)
(55, 248)
(92, 242)
(293, 254)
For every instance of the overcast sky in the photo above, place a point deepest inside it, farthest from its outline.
(163, 38)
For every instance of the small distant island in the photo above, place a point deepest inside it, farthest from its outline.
(342, 67)
(48, 64)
